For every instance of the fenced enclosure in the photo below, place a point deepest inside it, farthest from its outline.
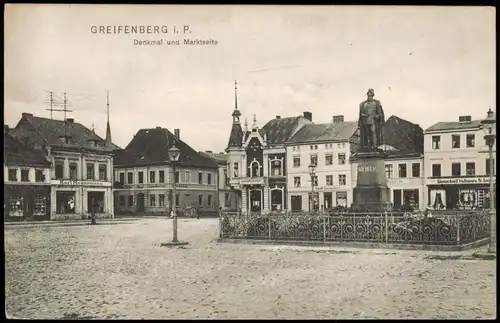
(392, 228)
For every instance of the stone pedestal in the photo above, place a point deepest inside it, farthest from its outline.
(371, 193)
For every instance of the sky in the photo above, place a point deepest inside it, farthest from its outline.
(426, 65)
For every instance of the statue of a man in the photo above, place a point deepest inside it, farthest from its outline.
(370, 122)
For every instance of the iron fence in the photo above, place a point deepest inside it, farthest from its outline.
(449, 229)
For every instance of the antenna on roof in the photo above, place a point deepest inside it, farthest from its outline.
(64, 104)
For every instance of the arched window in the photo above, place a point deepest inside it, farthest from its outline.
(255, 169)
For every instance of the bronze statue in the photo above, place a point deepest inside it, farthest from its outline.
(370, 122)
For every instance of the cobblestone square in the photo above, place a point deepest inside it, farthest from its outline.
(120, 271)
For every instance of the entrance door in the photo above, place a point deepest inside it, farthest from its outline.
(296, 203)
(140, 202)
(255, 201)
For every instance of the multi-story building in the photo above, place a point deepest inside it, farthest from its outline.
(257, 163)
(81, 165)
(328, 148)
(144, 175)
(403, 146)
(26, 181)
(456, 163)
(227, 200)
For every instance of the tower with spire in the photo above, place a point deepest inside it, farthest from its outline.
(108, 127)
(236, 134)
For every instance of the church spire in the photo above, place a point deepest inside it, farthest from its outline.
(108, 127)
(236, 113)
(236, 135)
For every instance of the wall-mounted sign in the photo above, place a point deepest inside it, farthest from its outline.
(400, 181)
(455, 181)
(367, 168)
(68, 182)
(253, 181)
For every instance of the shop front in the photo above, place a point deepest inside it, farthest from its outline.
(472, 193)
(26, 202)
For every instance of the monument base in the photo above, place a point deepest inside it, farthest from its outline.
(371, 199)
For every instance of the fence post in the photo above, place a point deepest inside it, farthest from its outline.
(458, 229)
(324, 227)
(269, 226)
(386, 227)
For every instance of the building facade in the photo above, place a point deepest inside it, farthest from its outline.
(404, 164)
(144, 176)
(26, 182)
(227, 198)
(456, 165)
(81, 165)
(328, 148)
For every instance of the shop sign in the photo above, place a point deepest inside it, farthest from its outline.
(253, 181)
(455, 181)
(67, 182)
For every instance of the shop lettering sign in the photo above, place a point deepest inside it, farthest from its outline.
(82, 183)
(253, 181)
(452, 181)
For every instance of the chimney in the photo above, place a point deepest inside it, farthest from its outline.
(27, 114)
(337, 119)
(308, 116)
(177, 134)
(70, 120)
(464, 119)
(278, 117)
(158, 127)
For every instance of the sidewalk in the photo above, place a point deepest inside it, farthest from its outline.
(70, 222)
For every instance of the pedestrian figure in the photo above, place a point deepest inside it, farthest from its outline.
(92, 212)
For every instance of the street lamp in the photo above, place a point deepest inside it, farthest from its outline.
(312, 173)
(489, 128)
(173, 154)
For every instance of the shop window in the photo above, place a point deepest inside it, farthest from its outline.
(122, 178)
(328, 159)
(161, 176)
(130, 201)
(341, 159)
(39, 176)
(130, 178)
(396, 201)
(121, 200)
(200, 200)
(342, 180)
(95, 202)
(402, 170)
(436, 142)
(389, 171)
(227, 200)
(456, 169)
(471, 140)
(40, 207)
(16, 206)
(341, 198)
(410, 198)
(200, 178)
(436, 170)
(65, 202)
(329, 180)
(276, 200)
(25, 175)
(90, 171)
(296, 181)
(488, 167)
(209, 200)
(470, 169)
(296, 161)
(209, 179)
(103, 173)
(140, 177)
(59, 170)
(152, 200)
(314, 160)
(455, 141)
(73, 171)
(415, 169)
(328, 198)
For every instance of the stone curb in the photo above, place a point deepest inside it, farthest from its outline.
(484, 256)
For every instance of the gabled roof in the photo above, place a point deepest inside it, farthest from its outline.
(219, 158)
(16, 153)
(52, 132)
(338, 131)
(150, 146)
(444, 126)
(278, 131)
(405, 137)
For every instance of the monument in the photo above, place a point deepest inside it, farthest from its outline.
(371, 193)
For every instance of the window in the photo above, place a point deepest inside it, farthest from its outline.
(130, 178)
(341, 159)
(314, 180)
(103, 174)
(152, 200)
(177, 177)
(470, 169)
(296, 182)
(226, 179)
(341, 198)
(39, 177)
(121, 200)
(388, 171)
(209, 179)
(122, 178)
(329, 180)
(200, 178)
(200, 200)
(314, 160)
(471, 140)
(95, 201)
(161, 176)
(59, 168)
(90, 171)
(65, 202)
(161, 199)
(140, 177)
(130, 200)
(296, 161)
(236, 172)
(402, 171)
(436, 142)
(209, 200)
(188, 177)
(415, 169)
(456, 169)
(328, 159)
(436, 170)
(73, 171)
(152, 176)
(455, 141)
(227, 200)
(276, 168)
(488, 167)
(342, 180)
(25, 175)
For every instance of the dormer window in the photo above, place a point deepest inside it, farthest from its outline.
(94, 142)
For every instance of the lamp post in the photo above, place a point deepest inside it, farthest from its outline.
(173, 155)
(312, 173)
(489, 128)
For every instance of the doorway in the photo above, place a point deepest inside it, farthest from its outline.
(140, 202)
(255, 200)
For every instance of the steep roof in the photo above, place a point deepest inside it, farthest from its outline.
(407, 138)
(52, 132)
(279, 130)
(236, 135)
(338, 131)
(16, 153)
(219, 158)
(150, 146)
(443, 126)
